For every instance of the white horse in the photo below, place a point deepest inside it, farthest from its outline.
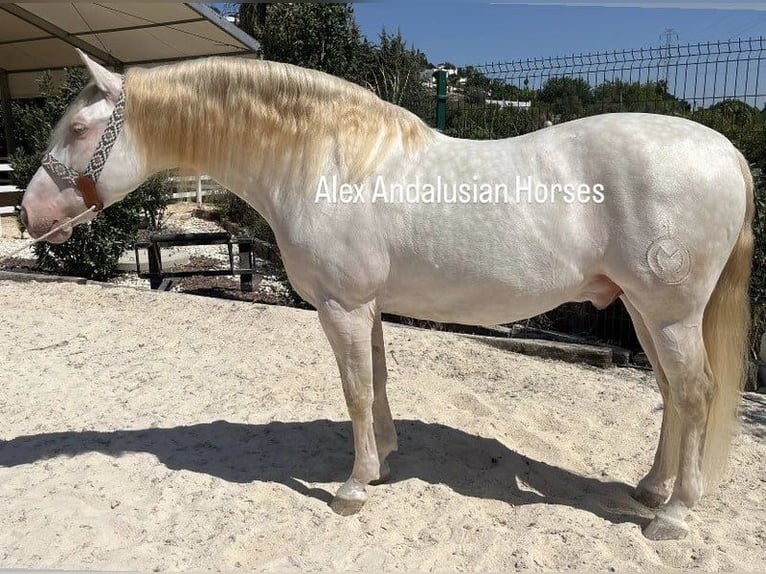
(375, 212)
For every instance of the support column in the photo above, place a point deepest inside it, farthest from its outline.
(5, 95)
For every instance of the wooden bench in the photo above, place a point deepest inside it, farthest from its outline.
(247, 249)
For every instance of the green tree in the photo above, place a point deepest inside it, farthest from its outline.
(322, 37)
(326, 37)
(501, 90)
(567, 98)
(474, 77)
(494, 88)
(652, 97)
(394, 72)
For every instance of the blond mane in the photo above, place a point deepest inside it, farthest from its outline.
(232, 110)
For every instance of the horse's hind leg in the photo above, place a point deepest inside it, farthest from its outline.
(654, 488)
(681, 352)
(383, 423)
(350, 335)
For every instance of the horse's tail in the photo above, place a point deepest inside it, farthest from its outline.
(726, 329)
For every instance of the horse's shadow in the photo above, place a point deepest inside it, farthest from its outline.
(320, 451)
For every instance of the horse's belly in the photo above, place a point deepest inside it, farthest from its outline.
(495, 313)
(485, 301)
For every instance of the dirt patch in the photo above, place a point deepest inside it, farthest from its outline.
(147, 430)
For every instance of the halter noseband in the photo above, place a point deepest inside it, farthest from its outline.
(86, 181)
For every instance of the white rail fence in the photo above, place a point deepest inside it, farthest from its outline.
(197, 187)
(8, 192)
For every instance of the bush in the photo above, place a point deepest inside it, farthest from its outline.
(93, 249)
(152, 199)
(758, 283)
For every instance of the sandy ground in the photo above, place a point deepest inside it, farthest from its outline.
(150, 431)
(9, 229)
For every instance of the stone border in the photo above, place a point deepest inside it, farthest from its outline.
(44, 278)
(568, 352)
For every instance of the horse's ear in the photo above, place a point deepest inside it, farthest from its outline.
(108, 82)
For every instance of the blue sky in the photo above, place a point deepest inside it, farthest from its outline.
(474, 32)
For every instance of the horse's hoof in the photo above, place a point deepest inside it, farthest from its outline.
(346, 507)
(648, 498)
(385, 474)
(666, 528)
(349, 499)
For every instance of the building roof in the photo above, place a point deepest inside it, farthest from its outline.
(40, 36)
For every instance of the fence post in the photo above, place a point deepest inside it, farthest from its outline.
(155, 265)
(441, 100)
(199, 191)
(245, 262)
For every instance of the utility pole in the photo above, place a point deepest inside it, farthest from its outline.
(669, 34)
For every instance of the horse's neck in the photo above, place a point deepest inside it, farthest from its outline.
(180, 121)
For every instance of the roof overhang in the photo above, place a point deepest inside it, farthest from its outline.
(40, 36)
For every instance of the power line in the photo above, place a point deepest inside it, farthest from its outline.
(749, 26)
(718, 22)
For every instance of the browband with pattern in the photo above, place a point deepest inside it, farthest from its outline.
(86, 181)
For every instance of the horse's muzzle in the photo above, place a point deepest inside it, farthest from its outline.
(37, 227)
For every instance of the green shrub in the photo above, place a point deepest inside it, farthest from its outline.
(152, 199)
(94, 248)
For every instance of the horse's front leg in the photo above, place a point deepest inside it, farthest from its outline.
(350, 335)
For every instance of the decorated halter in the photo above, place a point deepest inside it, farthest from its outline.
(86, 181)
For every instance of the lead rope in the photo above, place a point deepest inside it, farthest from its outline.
(71, 223)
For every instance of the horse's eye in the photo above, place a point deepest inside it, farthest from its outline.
(79, 130)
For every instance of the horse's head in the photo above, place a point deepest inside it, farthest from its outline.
(90, 162)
